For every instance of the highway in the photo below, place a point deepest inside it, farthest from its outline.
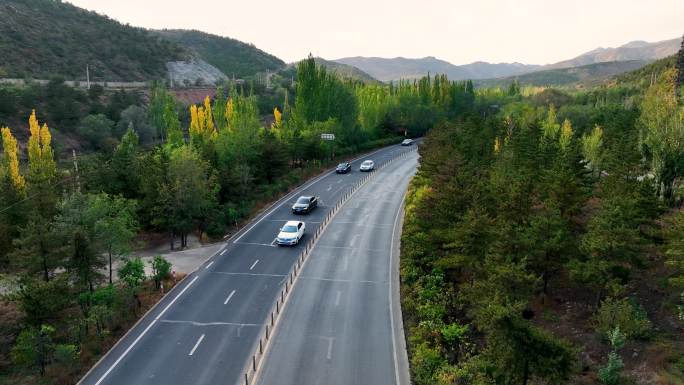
(337, 328)
(205, 330)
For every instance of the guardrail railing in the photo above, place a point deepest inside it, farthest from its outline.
(272, 320)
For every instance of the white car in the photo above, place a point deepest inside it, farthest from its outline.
(407, 142)
(291, 233)
(367, 165)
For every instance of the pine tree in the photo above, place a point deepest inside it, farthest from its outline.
(680, 68)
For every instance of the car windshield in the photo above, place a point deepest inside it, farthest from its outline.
(302, 200)
(368, 162)
(289, 229)
(342, 165)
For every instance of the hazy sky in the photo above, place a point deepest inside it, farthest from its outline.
(527, 31)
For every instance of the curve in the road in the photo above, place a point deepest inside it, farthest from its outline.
(203, 332)
(339, 325)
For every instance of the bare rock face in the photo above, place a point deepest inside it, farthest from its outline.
(195, 72)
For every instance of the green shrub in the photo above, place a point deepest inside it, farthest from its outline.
(624, 313)
(132, 272)
(425, 362)
(161, 269)
(67, 355)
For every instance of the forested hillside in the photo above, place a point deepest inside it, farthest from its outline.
(543, 244)
(583, 76)
(232, 57)
(46, 38)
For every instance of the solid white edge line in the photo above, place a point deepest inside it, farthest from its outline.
(199, 341)
(229, 297)
(224, 251)
(121, 357)
(391, 302)
(209, 264)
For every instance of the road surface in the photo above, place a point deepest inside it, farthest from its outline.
(337, 326)
(204, 331)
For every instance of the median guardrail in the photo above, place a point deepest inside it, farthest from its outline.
(252, 366)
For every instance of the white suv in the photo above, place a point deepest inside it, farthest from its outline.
(291, 233)
(367, 165)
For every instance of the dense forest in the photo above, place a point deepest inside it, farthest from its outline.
(543, 238)
(68, 228)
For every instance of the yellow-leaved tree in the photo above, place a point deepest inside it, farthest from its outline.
(10, 161)
(42, 168)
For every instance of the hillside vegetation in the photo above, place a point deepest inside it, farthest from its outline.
(47, 38)
(232, 57)
(644, 76)
(585, 76)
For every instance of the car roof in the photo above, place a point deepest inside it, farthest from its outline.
(343, 164)
(305, 197)
(292, 223)
(367, 160)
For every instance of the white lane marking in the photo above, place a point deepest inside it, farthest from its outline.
(273, 241)
(121, 357)
(255, 244)
(229, 297)
(394, 336)
(330, 346)
(254, 264)
(171, 321)
(329, 188)
(210, 263)
(224, 251)
(346, 263)
(199, 341)
(251, 274)
(353, 240)
(337, 298)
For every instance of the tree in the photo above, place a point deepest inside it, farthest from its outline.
(161, 269)
(97, 130)
(125, 167)
(34, 348)
(662, 133)
(680, 68)
(77, 226)
(592, 149)
(114, 224)
(37, 249)
(42, 170)
(10, 161)
(132, 272)
(43, 301)
(187, 195)
(134, 117)
(610, 374)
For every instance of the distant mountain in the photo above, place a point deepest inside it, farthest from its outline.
(587, 75)
(403, 68)
(347, 71)
(343, 70)
(635, 50)
(46, 38)
(231, 56)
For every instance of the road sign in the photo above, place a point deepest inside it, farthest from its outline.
(327, 136)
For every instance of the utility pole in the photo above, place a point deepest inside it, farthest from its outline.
(87, 77)
(78, 182)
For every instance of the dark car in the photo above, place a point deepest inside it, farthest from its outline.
(305, 204)
(343, 168)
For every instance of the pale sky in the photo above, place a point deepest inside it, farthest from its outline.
(526, 31)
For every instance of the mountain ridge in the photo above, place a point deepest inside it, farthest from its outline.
(387, 69)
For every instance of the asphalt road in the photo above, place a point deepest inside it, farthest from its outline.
(204, 331)
(337, 327)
